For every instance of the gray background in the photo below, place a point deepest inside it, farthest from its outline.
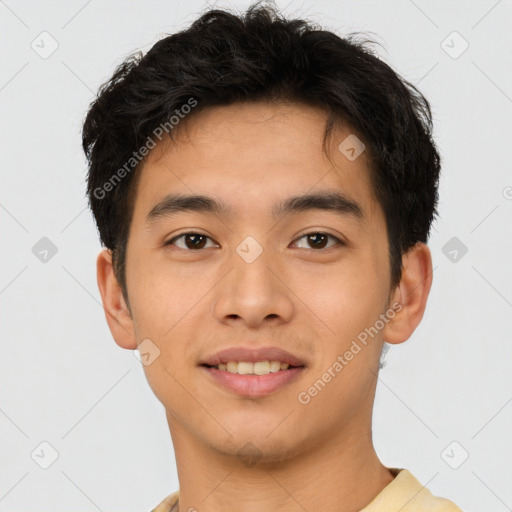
(444, 394)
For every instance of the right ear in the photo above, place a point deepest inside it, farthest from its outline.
(118, 315)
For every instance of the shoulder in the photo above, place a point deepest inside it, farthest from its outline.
(407, 494)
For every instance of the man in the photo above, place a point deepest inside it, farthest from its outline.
(264, 190)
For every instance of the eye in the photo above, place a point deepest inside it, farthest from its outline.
(193, 241)
(319, 240)
(196, 241)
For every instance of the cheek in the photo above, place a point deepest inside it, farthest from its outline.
(347, 298)
(160, 295)
(167, 309)
(168, 305)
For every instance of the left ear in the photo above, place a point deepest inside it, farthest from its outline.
(411, 294)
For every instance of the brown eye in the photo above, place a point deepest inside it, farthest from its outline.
(192, 241)
(318, 240)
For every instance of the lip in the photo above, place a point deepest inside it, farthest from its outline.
(253, 386)
(253, 355)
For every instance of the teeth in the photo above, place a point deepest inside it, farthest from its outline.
(245, 368)
(232, 367)
(275, 366)
(261, 368)
(248, 368)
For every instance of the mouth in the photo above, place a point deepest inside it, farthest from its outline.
(253, 368)
(253, 372)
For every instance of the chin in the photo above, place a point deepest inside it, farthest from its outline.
(252, 440)
(254, 450)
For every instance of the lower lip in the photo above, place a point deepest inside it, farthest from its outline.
(254, 385)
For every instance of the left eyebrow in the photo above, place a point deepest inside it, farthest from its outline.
(329, 201)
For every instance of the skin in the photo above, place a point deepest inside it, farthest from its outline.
(310, 301)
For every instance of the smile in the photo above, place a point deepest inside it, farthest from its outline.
(251, 384)
(252, 368)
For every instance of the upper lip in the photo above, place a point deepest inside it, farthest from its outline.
(252, 355)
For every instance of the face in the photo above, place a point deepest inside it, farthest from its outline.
(307, 281)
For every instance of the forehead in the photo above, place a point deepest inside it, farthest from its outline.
(253, 153)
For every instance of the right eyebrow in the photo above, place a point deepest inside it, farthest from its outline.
(176, 203)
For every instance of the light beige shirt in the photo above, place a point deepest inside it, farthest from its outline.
(404, 494)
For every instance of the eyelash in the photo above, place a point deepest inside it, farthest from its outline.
(172, 240)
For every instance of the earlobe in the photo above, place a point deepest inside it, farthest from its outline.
(411, 294)
(117, 314)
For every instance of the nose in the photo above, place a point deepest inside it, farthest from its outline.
(254, 294)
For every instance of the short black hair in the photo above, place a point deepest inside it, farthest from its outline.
(224, 58)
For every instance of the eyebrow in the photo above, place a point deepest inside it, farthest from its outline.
(329, 201)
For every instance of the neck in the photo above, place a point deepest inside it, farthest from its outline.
(341, 474)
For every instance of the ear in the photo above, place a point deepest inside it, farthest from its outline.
(411, 294)
(118, 315)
